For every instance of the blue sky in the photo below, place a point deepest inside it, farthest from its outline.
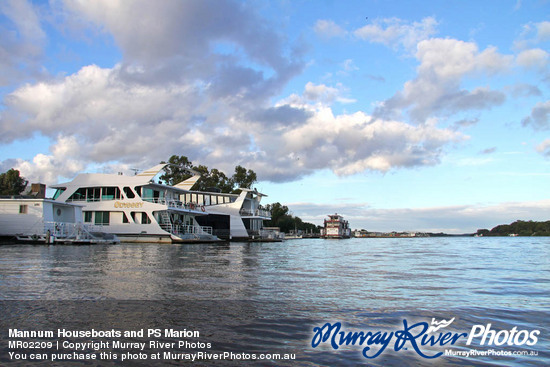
(399, 115)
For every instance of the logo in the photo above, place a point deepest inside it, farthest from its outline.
(418, 337)
(439, 325)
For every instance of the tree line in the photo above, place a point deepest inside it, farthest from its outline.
(282, 218)
(519, 227)
(178, 167)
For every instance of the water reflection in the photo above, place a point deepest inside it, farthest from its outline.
(379, 272)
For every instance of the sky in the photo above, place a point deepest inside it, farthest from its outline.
(398, 115)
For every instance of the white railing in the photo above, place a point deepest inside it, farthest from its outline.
(65, 230)
(187, 229)
(255, 213)
(175, 203)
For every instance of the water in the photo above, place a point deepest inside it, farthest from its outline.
(268, 297)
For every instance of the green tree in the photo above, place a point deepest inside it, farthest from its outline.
(11, 183)
(282, 218)
(243, 178)
(213, 179)
(176, 171)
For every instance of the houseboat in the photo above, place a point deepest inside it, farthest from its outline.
(336, 227)
(236, 217)
(142, 209)
(35, 219)
(138, 208)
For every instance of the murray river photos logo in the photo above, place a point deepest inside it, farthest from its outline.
(419, 337)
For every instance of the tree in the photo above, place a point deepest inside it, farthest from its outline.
(213, 179)
(176, 171)
(11, 183)
(282, 218)
(243, 178)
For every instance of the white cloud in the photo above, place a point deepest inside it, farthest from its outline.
(533, 58)
(543, 31)
(532, 34)
(329, 29)
(203, 88)
(22, 42)
(394, 32)
(444, 63)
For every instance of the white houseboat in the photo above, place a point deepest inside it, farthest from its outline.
(234, 216)
(137, 208)
(141, 209)
(35, 219)
(336, 227)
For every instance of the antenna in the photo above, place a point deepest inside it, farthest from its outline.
(136, 170)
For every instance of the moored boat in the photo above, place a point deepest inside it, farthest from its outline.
(336, 227)
(141, 208)
(35, 219)
(137, 208)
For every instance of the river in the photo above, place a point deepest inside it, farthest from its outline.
(256, 298)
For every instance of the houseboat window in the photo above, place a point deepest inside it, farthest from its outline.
(147, 193)
(59, 192)
(125, 218)
(110, 193)
(93, 193)
(78, 195)
(102, 218)
(140, 217)
(129, 193)
(138, 190)
(88, 217)
(23, 209)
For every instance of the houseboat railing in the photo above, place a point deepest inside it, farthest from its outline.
(63, 230)
(177, 204)
(178, 229)
(255, 213)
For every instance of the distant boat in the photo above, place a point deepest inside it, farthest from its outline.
(336, 227)
(293, 236)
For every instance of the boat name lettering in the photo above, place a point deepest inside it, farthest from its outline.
(118, 204)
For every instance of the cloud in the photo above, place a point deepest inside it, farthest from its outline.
(349, 143)
(223, 45)
(110, 119)
(524, 90)
(544, 148)
(488, 150)
(328, 29)
(436, 90)
(394, 32)
(533, 59)
(533, 34)
(543, 31)
(539, 118)
(204, 88)
(22, 42)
